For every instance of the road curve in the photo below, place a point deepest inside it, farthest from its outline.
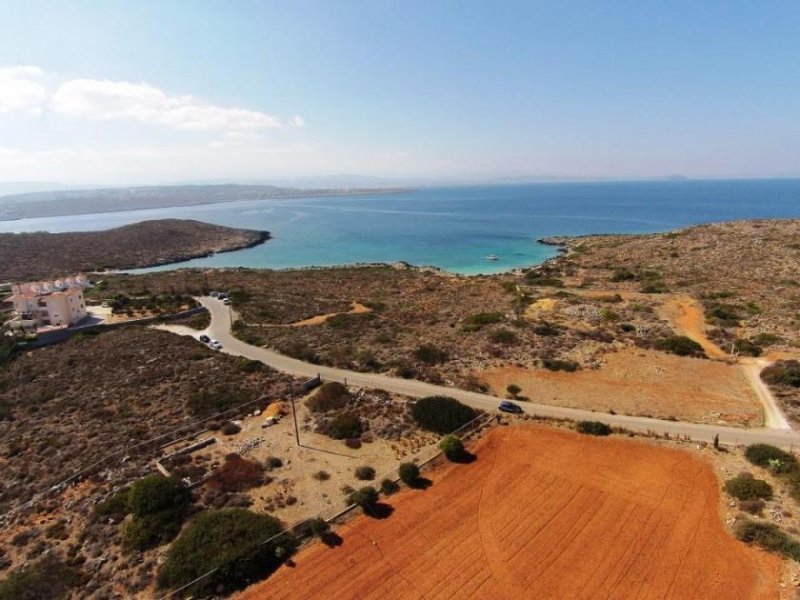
(220, 329)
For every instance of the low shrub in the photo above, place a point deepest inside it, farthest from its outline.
(724, 315)
(555, 364)
(159, 506)
(747, 347)
(770, 457)
(230, 428)
(783, 372)
(452, 447)
(232, 541)
(47, 578)
(272, 463)
(430, 354)
(441, 414)
(754, 507)
(513, 390)
(365, 497)
(345, 426)
(479, 320)
(593, 428)
(747, 487)
(503, 336)
(321, 476)
(389, 487)
(318, 527)
(409, 473)
(331, 395)
(769, 537)
(115, 506)
(680, 345)
(236, 474)
(365, 473)
(353, 443)
(148, 531)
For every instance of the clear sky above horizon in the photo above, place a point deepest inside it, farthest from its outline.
(152, 92)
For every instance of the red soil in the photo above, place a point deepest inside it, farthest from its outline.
(542, 513)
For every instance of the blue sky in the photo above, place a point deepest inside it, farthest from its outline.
(149, 92)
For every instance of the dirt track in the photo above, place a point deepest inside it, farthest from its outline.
(542, 513)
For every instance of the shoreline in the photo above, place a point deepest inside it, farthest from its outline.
(321, 194)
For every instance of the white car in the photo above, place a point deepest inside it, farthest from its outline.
(215, 345)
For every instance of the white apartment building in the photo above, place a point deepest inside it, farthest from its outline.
(57, 303)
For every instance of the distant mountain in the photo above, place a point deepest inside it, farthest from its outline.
(74, 202)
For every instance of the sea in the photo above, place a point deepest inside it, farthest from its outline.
(455, 228)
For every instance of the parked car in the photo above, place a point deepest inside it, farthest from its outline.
(215, 294)
(226, 301)
(205, 339)
(215, 345)
(510, 407)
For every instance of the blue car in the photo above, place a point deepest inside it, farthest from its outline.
(510, 407)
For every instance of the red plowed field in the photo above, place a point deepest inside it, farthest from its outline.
(542, 513)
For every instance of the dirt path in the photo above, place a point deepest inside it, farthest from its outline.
(542, 513)
(773, 417)
(688, 317)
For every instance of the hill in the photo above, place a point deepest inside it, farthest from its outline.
(41, 254)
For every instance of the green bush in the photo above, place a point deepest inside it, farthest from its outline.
(770, 457)
(622, 274)
(769, 537)
(479, 320)
(783, 372)
(8, 349)
(365, 473)
(513, 390)
(452, 447)
(593, 428)
(229, 540)
(746, 347)
(555, 364)
(114, 506)
(345, 426)
(680, 345)
(441, 414)
(331, 395)
(155, 493)
(746, 487)
(503, 336)
(724, 315)
(430, 354)
(46, 579)
(210, 401)
(365, 497)
(159, 506)
(766, 339)
(409, 473)
(389, 487)
(318, 527)
(148, 531)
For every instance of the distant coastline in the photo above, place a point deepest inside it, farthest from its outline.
(64, 203)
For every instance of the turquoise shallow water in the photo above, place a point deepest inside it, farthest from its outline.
(456, 228)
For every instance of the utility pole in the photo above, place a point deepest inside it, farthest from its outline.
(294, 413)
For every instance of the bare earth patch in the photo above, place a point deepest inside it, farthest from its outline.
(542, 513)
(642, 382)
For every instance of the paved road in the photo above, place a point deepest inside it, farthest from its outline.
(220, 330)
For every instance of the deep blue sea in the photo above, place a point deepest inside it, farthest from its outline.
(456, 228)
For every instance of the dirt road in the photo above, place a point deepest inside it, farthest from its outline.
(220, 329)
